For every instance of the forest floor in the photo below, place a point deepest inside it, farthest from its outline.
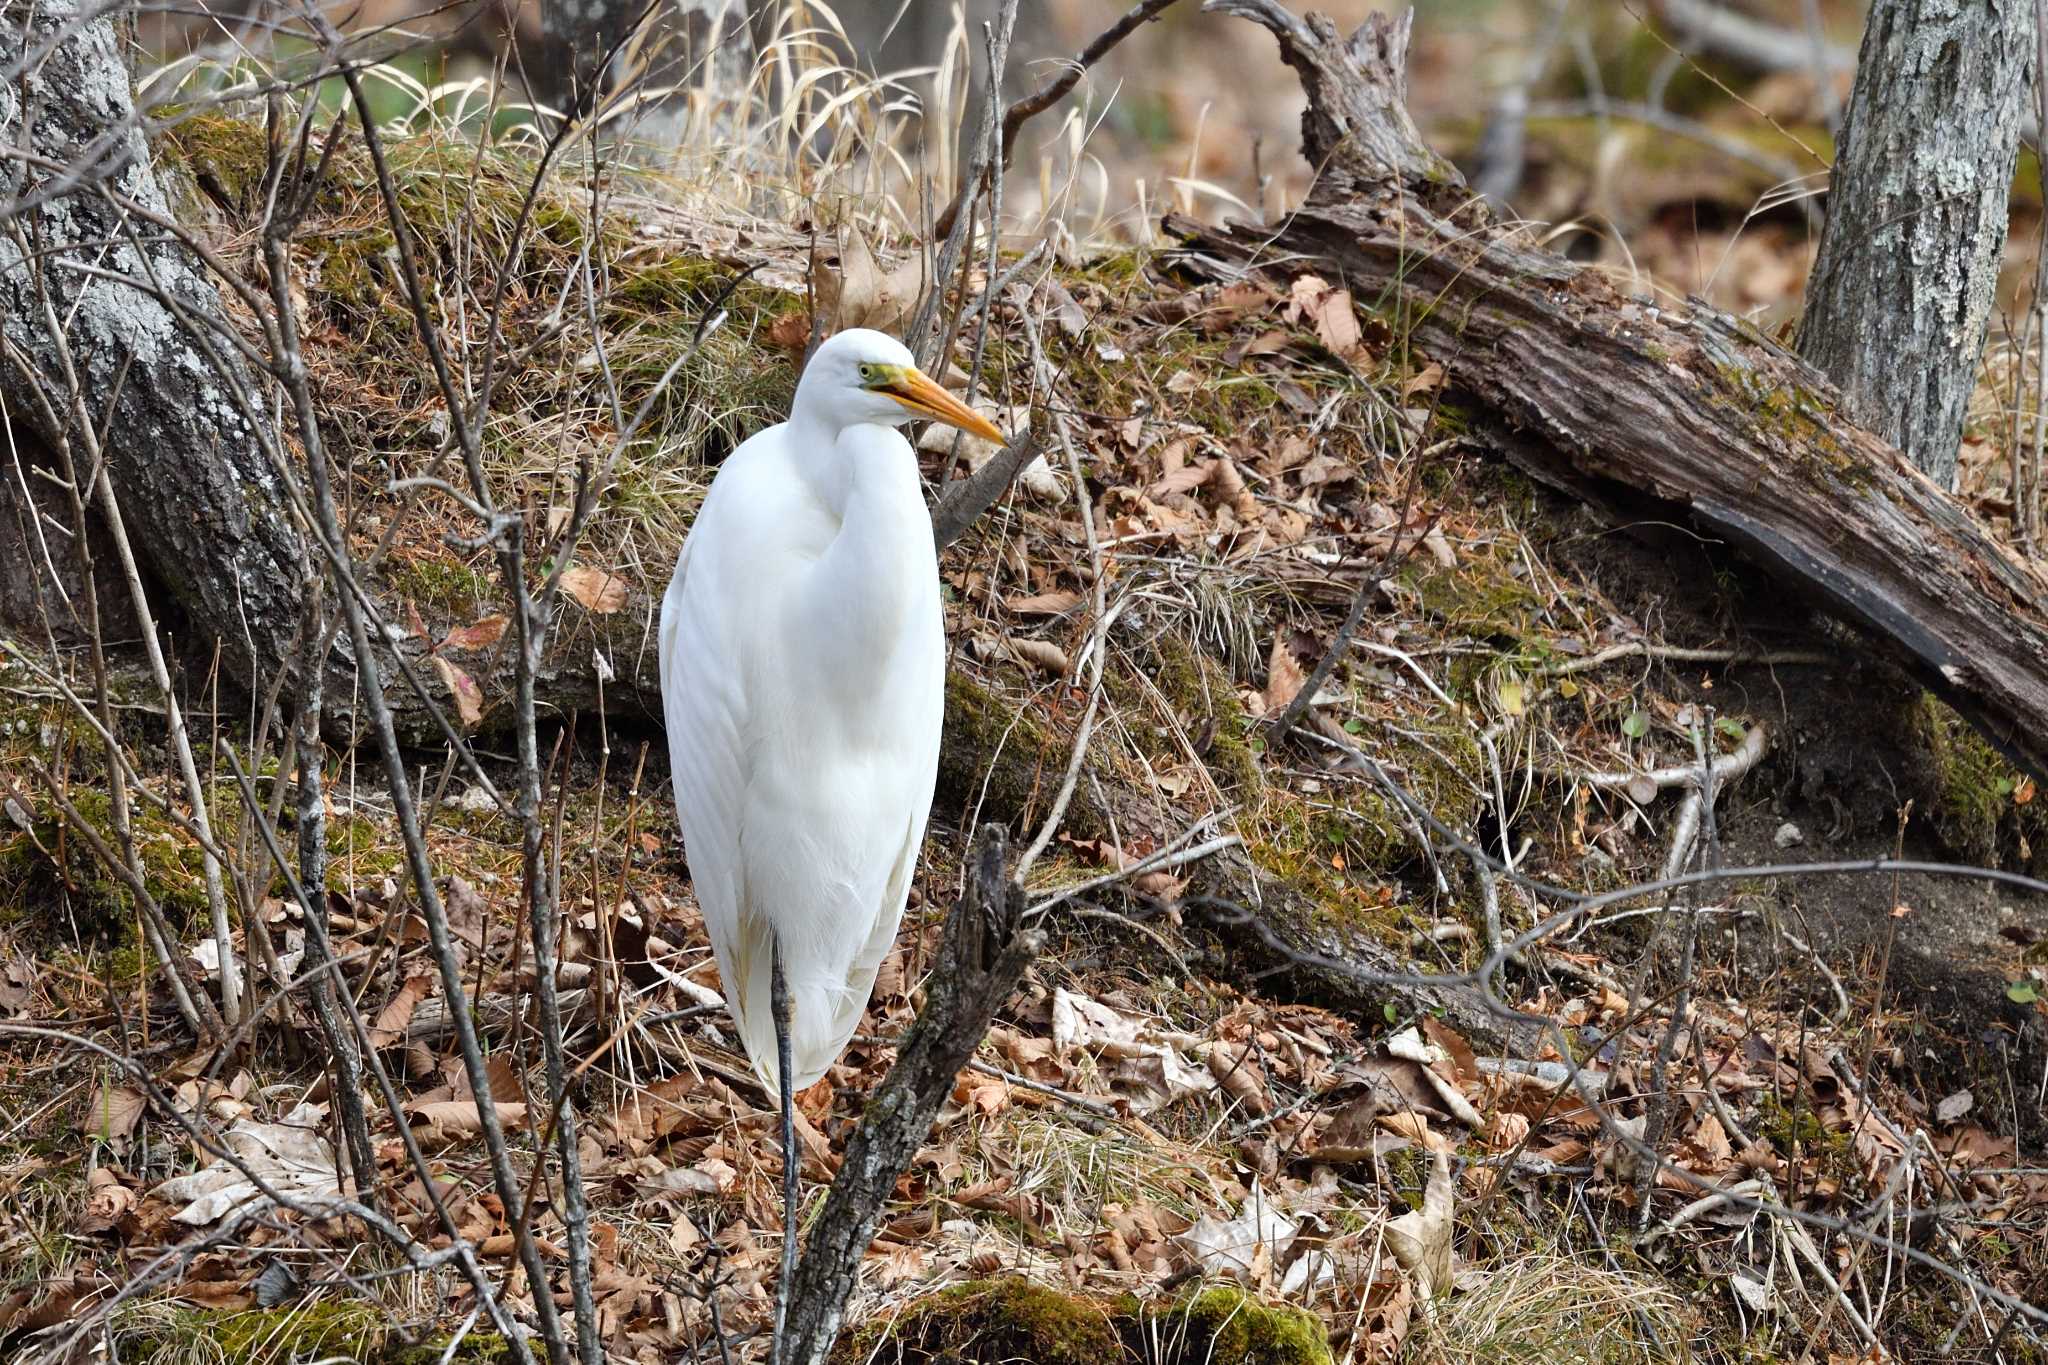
(1176, 1145)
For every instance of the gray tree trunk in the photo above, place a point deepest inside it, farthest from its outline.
(596, 50)
(1902, 292)
(194, 483)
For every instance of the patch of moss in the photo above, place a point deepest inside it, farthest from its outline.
(998, 757)
(227, 157)
(55, 885)
(1230, 1327)
(440, 587)
(985, 1321)
(989, 1321)
(1974, 810)
(1207, 700)
(1477, 597)
(351, 1330)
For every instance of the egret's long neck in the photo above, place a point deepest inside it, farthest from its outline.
(880, 568)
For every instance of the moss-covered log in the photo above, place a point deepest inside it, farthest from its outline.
(1653, 413)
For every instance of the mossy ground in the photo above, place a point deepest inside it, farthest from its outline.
(362, 1333)
(987, 1322)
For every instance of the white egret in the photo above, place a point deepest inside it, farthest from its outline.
(803, 680)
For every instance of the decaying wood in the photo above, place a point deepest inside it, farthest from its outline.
(1685, 409)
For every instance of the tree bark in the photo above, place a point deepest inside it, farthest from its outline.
(595, 50)
(1899, 300)
(194, 481)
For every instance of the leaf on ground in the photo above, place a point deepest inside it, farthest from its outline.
(1284, 677)
(1043, 655)
(1056, 603)
(113, 1113)
(1421, 1240)
(1247, 1246)
(862, 293)
(482, 635)
(393, 1018)
(291, 1157)
(450, 1120)
(596, 591)
(469, 702)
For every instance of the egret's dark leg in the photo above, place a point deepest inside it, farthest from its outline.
(778, 1003)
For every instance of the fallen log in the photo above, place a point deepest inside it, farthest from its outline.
(1678, 412)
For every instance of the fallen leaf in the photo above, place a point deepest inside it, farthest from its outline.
(481, 635)
(392, 1019)
(1245, 1245)
(448, 1120)
(1421, 1240)
(469, 702)
(600, 593)
(1043, 604)
(113, 1113)
(1284, 677)
(291, 1157)
(1043, 655)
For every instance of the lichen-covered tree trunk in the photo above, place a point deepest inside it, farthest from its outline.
(194, 482)
(1902, 292)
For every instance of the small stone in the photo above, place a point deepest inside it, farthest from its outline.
(1788, 834)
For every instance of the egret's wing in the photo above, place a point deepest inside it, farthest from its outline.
(704, 705)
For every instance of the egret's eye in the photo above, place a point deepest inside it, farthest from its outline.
(867, 373)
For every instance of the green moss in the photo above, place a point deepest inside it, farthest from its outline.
(54, 884)
(1477, 597)
(1000, 758)
(437, 586)
(227, 157)
(1239, 1330)
(1207, 701)
(1973, 810)
(989, 1321)
(351, 1330)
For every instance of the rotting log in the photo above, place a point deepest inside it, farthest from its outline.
(1681, 413)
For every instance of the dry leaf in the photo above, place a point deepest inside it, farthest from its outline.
(291, 1157)
(1284, 677)
(113, 1114)
(392, 1019)
(599, 592)
(1043, 655)
(469, 702)
(1244, 1246)
(1421, 1240)
(482, 635)
(1043, 604)
(863, 294)
(448, 1120)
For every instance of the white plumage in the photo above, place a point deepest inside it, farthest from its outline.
(803, 677)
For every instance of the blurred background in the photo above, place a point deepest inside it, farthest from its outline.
(1685, 142)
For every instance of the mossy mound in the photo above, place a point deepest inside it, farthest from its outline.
(989, 1321)
(360, 1332)
(1977, 810)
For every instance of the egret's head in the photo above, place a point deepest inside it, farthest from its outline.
(863, 376)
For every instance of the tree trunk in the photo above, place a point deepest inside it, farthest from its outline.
(691, 44)
(195, 486)
(1902, 292)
